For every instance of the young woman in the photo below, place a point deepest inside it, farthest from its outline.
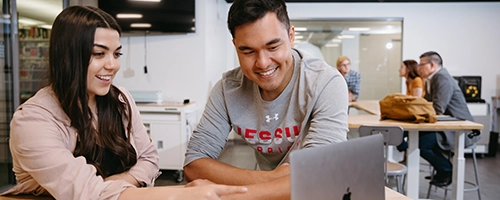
(82, 137)
(414, 87)
(414, 84)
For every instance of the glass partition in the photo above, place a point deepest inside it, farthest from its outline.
(6, 94)
(372, 45)
(24, 57)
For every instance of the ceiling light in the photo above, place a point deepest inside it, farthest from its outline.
(359, 29)
(299, 37)
(346, 36)
(388, 45)
(128, 16)
(28, 21)
(140, 25)
(146, 0)
(300, 28)
(336, 40)
(331, 45)
(46, 26)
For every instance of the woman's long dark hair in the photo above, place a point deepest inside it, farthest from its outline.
(70, 50)
(411, 67)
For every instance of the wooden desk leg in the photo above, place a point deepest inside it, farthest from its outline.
(458, 166)
(413, 164)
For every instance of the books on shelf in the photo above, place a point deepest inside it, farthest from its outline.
(34, 33)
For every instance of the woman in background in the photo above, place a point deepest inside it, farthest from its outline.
(414, 84)
(414, 87)
(82, 137)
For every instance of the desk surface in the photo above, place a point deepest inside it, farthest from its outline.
(413, 155)
(355, 121)
(370, 106)
(25, 197)
(393, 195)
(389, 195)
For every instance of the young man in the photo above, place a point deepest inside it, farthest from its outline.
(353, 78)
(279, 99)
(447, 98)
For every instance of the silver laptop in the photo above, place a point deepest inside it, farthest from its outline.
(353, 169)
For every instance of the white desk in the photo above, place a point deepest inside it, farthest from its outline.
(393, 195)
(389, 195)
(412, 182)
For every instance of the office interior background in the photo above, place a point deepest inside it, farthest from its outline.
(186, 66)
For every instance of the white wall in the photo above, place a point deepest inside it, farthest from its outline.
(465, 34)
(181, 66)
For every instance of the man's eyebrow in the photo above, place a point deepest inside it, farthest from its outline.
(274, 41)
(243, 48)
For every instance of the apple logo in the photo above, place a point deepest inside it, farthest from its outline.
(347, 195)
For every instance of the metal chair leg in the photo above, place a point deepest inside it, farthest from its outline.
(398, 182)
(476, 185)
(430, 186)
(476, 173)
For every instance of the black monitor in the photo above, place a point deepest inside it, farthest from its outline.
(471, 87)
(163, 16)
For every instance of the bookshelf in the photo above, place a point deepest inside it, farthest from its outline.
(33, 65)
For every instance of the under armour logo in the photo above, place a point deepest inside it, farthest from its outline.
(268, 119)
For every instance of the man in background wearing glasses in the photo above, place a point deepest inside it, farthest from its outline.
(447, 99)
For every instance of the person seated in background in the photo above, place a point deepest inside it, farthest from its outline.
(414, 84)
(82, 137)
(278, 100)
(447, 99)
(414, 87)
(353, 78)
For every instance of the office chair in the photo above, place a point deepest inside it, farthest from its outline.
(393, 135)
(472, 186)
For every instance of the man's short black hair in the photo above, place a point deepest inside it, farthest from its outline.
(433, 56)
(247, 11)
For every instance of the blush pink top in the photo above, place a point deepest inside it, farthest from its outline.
(42, 142)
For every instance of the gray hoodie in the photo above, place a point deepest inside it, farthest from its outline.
(311, 111)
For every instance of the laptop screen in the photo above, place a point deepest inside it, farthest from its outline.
(353, 169)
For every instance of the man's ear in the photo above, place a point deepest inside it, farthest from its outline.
(292, 35)
(433, 64)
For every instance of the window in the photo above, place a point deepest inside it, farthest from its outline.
(373, 46)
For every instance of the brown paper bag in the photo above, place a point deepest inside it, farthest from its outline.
(407, 108)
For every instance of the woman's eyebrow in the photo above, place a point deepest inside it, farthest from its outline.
(105, 47)
(102, 46)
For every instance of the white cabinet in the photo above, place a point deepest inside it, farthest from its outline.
(481, 114)
(170, 127)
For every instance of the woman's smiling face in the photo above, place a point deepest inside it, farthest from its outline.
(104, 62)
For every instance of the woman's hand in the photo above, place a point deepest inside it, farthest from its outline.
(123, 176)
(200, 182)
(205, 190)
(210, 191)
